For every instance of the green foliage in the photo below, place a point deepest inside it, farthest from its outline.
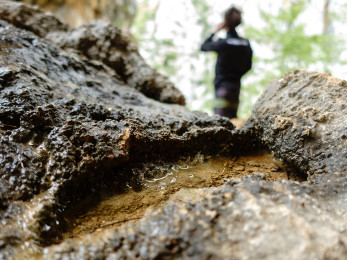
(291, 46)
(284, 37)
(202, 9)
(144, 15)
(167, 58)
(164, 55)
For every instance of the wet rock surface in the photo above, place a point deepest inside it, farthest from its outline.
(77, 116)
(179, 183)
(245, 219)
(252, 218)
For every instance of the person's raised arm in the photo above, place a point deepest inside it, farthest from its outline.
(209, 44)
(220, 27)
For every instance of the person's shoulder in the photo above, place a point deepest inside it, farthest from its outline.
(221, 42)
(239, 41)
(243, 38)
(221, 39)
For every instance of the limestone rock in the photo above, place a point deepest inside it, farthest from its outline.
(71, 123)
(106, 43)
(98, 41)
(252, 218)
(302, 118)
(30, 18)
(247, 219)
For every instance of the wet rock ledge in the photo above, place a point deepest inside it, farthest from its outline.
(79, 109)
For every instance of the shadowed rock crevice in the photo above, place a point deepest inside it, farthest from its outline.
(150, 186)
(252, 209)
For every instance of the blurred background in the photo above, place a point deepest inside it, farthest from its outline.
(285, 35)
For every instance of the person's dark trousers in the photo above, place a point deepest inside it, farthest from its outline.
(227, 98)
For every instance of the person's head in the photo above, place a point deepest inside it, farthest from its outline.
(232, 18)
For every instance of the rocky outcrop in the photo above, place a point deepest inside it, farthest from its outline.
(30, 18)
(246, 219)
(252, 218)
(97, 41)
(106, 43)
(77, 13)
(73, 121)
(302, 118)
(69, 123)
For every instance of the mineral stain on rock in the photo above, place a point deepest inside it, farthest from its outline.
(183, 182)
(99, 159)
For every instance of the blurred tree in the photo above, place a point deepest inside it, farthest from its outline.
(206, 80)
(289, 46)
(172, 54)
(284, 39)
(326, 16)
(145, 29)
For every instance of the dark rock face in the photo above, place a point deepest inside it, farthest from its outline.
(69, 123)
(106, 43)
(72, 119)
(247, 219)
(51, 99)
(98, 41)
(252, 218)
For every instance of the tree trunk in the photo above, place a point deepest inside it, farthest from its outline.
(326, 17)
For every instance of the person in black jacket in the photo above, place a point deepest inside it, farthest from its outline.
(234, 60)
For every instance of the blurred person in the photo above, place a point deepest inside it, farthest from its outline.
(234, 60)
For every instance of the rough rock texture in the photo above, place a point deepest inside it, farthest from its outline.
(68, 124)
(302, 118)
(247, 219)
(106, 43)
(30, 18)
(71, 123)
(98, 41)
(251, 218)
